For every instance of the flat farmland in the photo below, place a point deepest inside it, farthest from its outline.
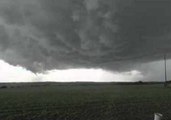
(84, 102)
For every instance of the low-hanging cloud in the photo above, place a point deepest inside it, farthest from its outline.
(110, 34)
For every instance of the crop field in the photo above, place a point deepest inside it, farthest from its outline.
(84, 102)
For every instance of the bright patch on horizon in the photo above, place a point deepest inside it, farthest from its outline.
(89, 75)
(10, 73)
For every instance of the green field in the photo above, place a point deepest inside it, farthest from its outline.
(84, 102)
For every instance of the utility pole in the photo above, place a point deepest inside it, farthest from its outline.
(165, 68)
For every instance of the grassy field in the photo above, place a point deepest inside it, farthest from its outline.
(84, 102)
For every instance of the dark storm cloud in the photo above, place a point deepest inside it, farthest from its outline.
(47, 34)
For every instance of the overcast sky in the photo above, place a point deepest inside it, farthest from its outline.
(106, 40)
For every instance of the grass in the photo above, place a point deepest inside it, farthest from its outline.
(85, 102)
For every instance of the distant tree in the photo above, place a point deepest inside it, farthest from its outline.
(140, 82)
(3, 87)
